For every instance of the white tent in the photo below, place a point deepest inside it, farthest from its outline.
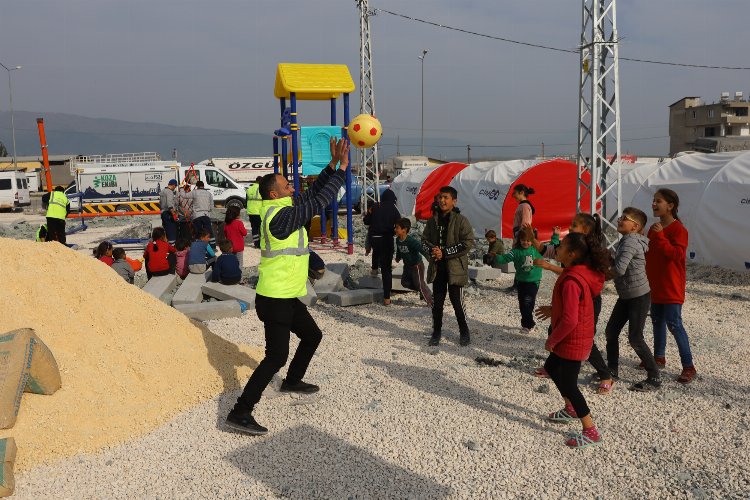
(714, 204)
(632, 176)
(406, 186)
(482, 189)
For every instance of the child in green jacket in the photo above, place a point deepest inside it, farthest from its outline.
(411, 250)
(528, 275)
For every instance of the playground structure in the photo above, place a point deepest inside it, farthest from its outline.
(312, 82)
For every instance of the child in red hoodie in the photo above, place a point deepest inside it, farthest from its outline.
(572, 336)
(234, 231)
(665, 268)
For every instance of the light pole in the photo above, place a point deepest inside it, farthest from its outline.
(12, 118)
(421, 58)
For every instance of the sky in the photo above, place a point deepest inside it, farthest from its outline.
(212, 64)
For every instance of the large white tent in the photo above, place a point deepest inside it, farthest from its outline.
(406, 186)
(714, 191)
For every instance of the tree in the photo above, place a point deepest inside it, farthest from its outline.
(3, 150)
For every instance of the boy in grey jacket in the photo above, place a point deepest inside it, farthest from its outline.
(634, 298)
(448, 238)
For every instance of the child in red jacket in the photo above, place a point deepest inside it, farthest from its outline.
(157, 253)
(665, 268)
(572, 335)
(235, 231)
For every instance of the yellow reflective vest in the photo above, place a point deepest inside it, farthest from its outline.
(254, 202)
(58, 205)
(282, 273)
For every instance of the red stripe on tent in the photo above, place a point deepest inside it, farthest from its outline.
(441, 176)
(554, 200)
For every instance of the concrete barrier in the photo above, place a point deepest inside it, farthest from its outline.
(347, 298)
(332, 280)
(311, 298)
(230, 292)
(190, 291)
(211, 310)
(161, 287)
(484, 273)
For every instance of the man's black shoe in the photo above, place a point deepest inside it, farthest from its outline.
(465, 340)
(245, 423)
(650, 384)
(434, 340)
(300, 386)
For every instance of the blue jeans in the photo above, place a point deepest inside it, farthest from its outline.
(669, 316)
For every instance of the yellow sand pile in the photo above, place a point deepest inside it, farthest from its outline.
(128, 361)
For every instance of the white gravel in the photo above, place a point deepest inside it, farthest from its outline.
(396, 419)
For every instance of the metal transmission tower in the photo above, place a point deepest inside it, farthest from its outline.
(368, 158)
(599, 115)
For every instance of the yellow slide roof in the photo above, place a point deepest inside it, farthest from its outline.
(312, 81)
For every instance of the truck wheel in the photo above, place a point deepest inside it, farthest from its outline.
(123, 208)
(235, 202)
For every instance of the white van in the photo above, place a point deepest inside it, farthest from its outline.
(14, 189)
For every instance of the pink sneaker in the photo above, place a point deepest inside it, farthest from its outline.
(589, 437)
(541, 372)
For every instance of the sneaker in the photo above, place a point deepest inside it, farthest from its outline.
(434, 340)
(245, 423)
(525, 331)
(386, 302)
(661, 361)
(300, 386)
(541, 372)
(465, 340)
(584, 439)
(374, 273)
(650, 384)
(687, 375)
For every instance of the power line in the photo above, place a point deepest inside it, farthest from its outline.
(463, 146)
(556, 49)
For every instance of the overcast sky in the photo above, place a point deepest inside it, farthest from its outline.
(212, 63)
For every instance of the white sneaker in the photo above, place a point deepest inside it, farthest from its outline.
(525, 331)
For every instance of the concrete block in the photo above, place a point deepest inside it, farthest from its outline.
(484, 273)
(355, 297)
(370, 282)
(190, 291)
(311, 298)
(211, 310)
(332, 280)
(508, 268)
(161, 286)
(230, 292)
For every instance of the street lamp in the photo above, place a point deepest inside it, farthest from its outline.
(421, 58)
(12, 118)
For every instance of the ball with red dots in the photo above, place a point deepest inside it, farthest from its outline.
(364, 131)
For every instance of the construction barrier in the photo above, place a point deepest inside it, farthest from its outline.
(116, 209)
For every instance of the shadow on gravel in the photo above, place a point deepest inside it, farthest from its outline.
(435, 382)
(225, 357)
(304, 462)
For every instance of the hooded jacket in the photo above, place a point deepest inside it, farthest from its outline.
(630, 266)
(384, 216)
(458, 242)
(573, 312)
(524, 213)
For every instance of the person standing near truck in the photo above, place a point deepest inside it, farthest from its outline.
(58, 208)
(203, 202)
(254, 203)
(168, 205)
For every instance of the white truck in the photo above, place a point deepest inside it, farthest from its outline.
(131, 182)
(245, 170)
(401, 163)
(14, 189)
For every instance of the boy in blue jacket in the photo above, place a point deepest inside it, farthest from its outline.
(226, 269)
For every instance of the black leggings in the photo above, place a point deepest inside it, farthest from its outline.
(564, 373)
(382, 251)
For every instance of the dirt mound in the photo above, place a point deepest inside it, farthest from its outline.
(128, 362)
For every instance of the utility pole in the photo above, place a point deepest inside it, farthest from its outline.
(421, 144)
(542, 151)
(468, 154)
(369, 168)
(599, 114)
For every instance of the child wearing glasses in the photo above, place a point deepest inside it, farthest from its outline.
(633, 298)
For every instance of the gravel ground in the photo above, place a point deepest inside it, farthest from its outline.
(396, 419)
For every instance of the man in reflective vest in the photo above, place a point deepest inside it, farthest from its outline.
(282, 280)
(254, 202)
(58, 209)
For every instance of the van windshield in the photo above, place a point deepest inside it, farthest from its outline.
(219, 180)
(6, 184)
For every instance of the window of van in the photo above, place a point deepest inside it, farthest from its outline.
(6, 184)
(25, 183)
(19, 184)
(219, 180)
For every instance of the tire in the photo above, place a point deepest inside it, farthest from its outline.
(124, 208)
(235, 202)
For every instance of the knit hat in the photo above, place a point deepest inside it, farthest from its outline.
(172, 182)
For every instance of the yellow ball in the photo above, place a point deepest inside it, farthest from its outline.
(364, 131)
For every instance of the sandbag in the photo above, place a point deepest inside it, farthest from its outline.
(26, 365)
(8, 457)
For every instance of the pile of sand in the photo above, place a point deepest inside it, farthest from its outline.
(128, 361)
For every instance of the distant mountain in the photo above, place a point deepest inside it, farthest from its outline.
(73, 134)
(81, 135)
